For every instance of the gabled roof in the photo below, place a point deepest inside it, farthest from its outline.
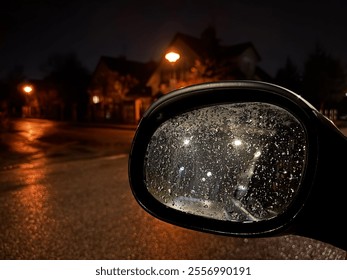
(199, 46)
(193, 42)
(123, 66)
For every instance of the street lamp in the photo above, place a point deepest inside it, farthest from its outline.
(27, 89)
(96, 99)
(172, 57)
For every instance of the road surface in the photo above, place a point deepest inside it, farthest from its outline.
(70, 199)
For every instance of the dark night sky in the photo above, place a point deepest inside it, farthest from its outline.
(31, 30)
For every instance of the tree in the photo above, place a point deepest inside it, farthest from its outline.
(71, 79)
(12, 92)
(324, 79)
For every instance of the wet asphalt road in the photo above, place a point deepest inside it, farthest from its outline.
(62, 202)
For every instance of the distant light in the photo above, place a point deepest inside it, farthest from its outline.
(186, 142)
(27, 89)
(172, 57)
(237, 142)
(257, 154)
(346, 94)
(96, 99)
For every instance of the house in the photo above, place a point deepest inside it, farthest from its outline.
(121, 90)
(118, 91)
(203, 60)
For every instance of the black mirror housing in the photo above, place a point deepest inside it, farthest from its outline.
(272, 186)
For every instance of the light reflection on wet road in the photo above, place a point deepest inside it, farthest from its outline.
(28, 142)
(81, 207)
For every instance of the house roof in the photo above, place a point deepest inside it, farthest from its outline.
(193, 42)
(140, 70)
(200, 47)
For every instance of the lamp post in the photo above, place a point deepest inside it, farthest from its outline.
(27, 90)
(172, 57)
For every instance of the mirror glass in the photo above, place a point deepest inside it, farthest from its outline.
(239, 162)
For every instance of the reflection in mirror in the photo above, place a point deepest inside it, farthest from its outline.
(238, 162)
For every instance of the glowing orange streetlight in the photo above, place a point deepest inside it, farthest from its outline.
(172, 57)
(96, 99)
(27, 89)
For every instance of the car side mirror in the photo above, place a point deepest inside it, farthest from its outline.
(241, 158)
